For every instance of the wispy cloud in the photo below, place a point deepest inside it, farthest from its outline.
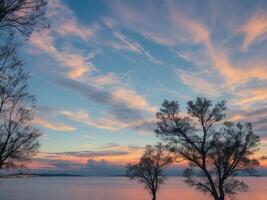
(71, 27)
(108, 121)
(125, 43)
(254, 29)
(133, 46)
(198, 83)
(258, 117)
(189, 30)
(250, 97)
(64, 22)
(52, 125)
(106, 79)
(131, 98)
(105, 122)
(110, 152)
(120, 97)
(77, 62)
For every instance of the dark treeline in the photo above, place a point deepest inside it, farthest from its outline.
(216, 150)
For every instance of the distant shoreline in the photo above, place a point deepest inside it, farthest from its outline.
(75, 175)
(39, 175)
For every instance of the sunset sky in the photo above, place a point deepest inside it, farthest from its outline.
(102, 70)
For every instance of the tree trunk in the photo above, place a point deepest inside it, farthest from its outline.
(221, 191)
(1, 163)
(222, 197)
(154, 196)
(215, 197)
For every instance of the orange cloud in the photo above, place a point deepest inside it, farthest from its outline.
(107, 121)
(77, 63)
(233, 75)
(51, 125)
(106, 79)
(132, 99)
(131, 154)
(71, 27)
(198, 84)
(251, 96)
(196, 32)
(64, 23)
(254, 29)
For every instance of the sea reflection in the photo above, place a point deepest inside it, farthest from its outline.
(109, 188)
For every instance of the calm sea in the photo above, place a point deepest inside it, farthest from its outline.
(110, 188)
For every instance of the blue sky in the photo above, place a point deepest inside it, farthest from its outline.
(102, 70)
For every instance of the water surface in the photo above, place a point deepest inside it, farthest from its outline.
(109, 188)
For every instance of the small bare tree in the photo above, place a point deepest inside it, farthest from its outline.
(216, 154)
(18, 139)
(22, 15)
(149, 170)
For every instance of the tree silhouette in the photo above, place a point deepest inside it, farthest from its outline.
(216, 151)
(149, 170)
(18, 139)
(22, 15)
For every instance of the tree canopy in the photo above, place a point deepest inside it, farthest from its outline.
(215, 150)
(18, 138)
(149, 170)
(23, 16)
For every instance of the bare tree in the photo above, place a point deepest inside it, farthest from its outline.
(149, 170)
(18, 139)
(216, 151)
(22, 15)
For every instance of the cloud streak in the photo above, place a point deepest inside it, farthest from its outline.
(254, 29)
(52, 125)
(76, 62)
(109, 154)
(107, 121)
(123, 43)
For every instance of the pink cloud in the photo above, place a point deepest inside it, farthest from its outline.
(52, 125)
(254, 29)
